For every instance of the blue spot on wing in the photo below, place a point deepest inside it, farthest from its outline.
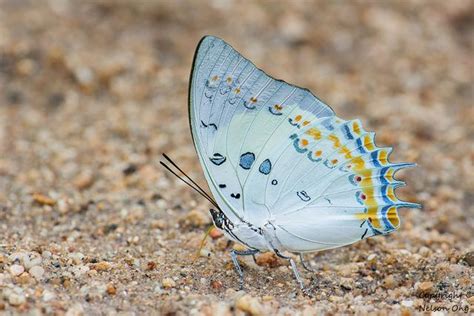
(246, 160)
(265, 166)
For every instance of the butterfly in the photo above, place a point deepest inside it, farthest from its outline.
(287, 175)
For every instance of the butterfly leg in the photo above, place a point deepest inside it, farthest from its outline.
(295, 271)
(233, 254)
(305, 264)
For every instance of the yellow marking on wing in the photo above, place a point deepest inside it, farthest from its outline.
(346, 152)
(314, 133)
(389, 174)
(370, 199)
(370, 215)
(366, 175)
(391, 194)
(335, 140)
(297, 118)
(383, 157)
(392, 216)
(368, 143)
(358, 163)
(356, 128)
(306, 123)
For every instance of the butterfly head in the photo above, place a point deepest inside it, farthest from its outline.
(218, 218)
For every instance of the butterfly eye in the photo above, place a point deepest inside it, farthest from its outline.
(363, 197)
(358, 179)
(278, 107)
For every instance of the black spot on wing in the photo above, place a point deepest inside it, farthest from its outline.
(217, 159)
(303, 196)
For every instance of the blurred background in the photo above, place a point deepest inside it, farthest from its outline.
(92, 92)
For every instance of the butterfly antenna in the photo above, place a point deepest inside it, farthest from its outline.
(187, 177)
(195, 187)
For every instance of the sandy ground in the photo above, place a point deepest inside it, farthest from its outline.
(92, 92)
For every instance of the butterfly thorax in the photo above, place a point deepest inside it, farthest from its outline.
(243, 232)
(261, 238)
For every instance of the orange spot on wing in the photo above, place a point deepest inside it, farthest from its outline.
(297, 118)
(305, 123)
(304, 142)
(314, 133)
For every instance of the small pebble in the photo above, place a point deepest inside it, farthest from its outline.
(204, 253)
(43, 199)
(168, 283)
(16, 269)
(268, 259)
(249, 304)
(389, 282)
(215, 233)
(84, 180)
(101, 266)
(48, 295)
(425, 287)
(16, 299)
(111, 289)
(469, 258)
(37, 272)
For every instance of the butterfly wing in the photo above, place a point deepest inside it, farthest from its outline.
(238, 116)
(273, 152)
(338, 191)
